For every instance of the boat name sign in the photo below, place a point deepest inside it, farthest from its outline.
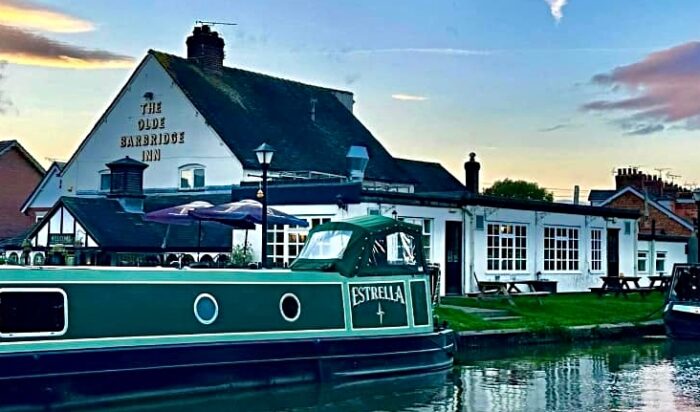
(364, 293)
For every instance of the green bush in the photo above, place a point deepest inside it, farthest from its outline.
(241, 256)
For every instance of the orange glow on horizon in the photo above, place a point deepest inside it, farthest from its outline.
(65, 62)
(45, 20)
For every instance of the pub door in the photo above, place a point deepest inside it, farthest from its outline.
(613, 252)
(454, 278)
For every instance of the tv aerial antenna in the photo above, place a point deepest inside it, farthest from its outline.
(661, 170)
(672, 177)
(216, 23)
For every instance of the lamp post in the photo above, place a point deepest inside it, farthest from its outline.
(264, 154)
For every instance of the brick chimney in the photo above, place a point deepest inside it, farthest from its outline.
(471, 172)
(126, 183)
(206, 48)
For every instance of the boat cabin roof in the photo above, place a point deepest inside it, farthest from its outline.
(364, 246)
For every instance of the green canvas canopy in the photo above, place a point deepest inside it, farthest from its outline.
(364, 246)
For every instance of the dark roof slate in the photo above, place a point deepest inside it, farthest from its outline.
(597, 195)
(113, 228)
(247, 109)
(430, 176)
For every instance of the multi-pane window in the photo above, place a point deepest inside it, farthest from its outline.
(660, 262)
(506, 248)
(642, 265)
(561, 249)
(596, 250)
(191, 177)
(427, 225)
(284, 243)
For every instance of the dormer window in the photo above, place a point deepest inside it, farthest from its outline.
(191, 177)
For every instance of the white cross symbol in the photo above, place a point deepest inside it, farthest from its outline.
(380, 313)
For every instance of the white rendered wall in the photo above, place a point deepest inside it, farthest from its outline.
(201, 145)
(675, 253)
(535, 222)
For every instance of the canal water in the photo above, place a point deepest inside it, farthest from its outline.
(641, 375)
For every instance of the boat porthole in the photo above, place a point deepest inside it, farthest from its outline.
(206, 309)
(290, 307)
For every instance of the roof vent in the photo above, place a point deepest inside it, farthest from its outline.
(206, 48)
(357, 159)
(126, 183)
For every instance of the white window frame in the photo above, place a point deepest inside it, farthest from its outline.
(596, 253)
(506, 233)
(643, 255)
(191, 168)
(561, 242)
(427, 233)
(287, 243)
(39, 334)
(661, 256)
(99, 185)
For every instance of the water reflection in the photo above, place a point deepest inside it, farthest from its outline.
(656, 375)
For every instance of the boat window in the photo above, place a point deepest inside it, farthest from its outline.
(395, 249)
(206, 309)
(329, 244)
(686, 284)
(33, 312)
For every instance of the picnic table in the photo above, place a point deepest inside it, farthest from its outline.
(620, 285)
(663, 280)
(509, 287)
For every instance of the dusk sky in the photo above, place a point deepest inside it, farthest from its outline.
(556, 91)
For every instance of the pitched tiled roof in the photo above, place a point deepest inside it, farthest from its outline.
(597, 195)
(430, 176)
(247, 109)
(6, 145)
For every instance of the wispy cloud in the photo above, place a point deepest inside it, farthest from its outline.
(555, 127)
(437, 50)
(644, 130)
(660, 90)
(408, 97)
(5, 103)
(556, 8)
(22, 47)
(29, 15)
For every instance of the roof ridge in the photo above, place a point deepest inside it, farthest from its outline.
(331, 89)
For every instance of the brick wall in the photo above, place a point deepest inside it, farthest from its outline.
(17, 180)
(686, 210)
(664, 224)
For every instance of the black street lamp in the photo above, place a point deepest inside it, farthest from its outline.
(264, 154)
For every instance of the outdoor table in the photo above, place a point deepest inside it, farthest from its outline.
(664, 281)
(620, 284)
(493, 286)
(532, 285)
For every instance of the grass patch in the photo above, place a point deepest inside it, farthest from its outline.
(556, 312)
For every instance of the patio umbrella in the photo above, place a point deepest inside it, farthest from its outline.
(246, 212)
(179, 215)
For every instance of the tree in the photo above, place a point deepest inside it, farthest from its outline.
(519, 189)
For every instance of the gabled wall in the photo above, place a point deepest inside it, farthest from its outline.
(177, 135)
(18, 177)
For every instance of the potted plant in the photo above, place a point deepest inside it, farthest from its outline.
(241, 256)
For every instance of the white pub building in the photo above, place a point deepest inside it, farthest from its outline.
(184, 129)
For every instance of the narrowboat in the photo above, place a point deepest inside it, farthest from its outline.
(356, 304)
(682, 307)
